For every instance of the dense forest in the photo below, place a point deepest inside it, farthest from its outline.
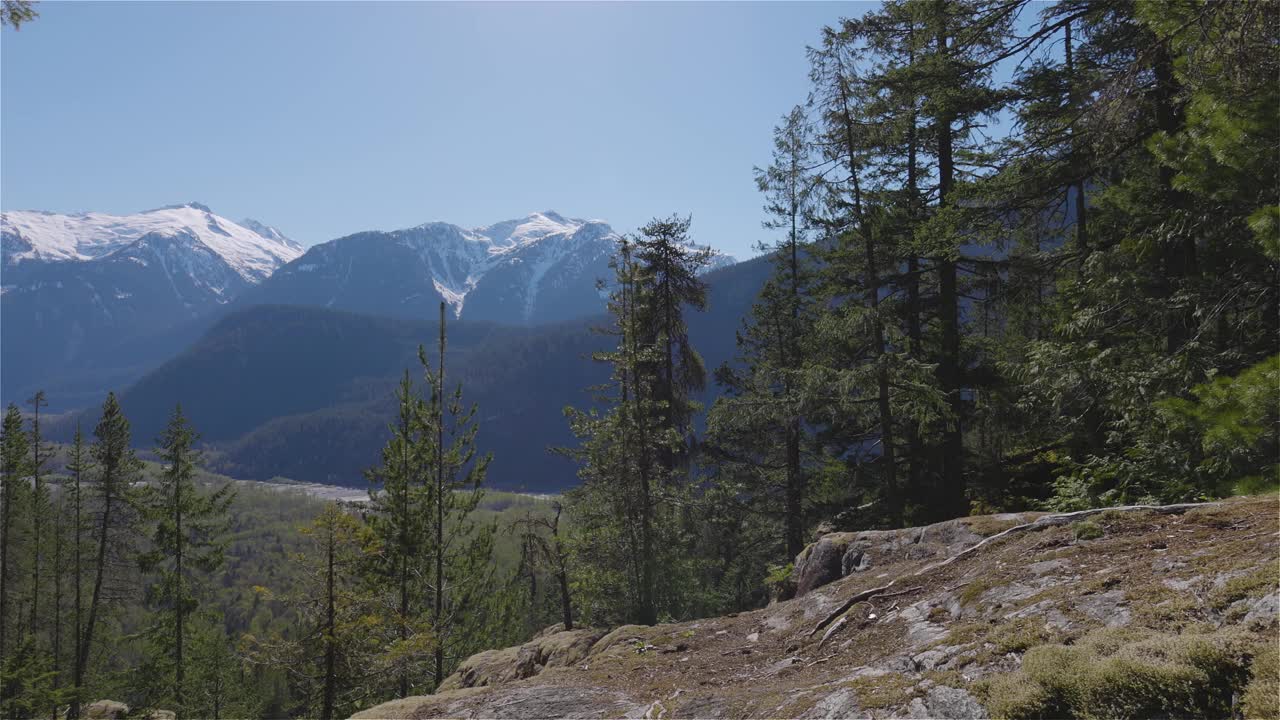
(1028, 260)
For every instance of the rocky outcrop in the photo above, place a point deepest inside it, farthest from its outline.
(106, 710)
(112, 710)
(840, 554)
(557, 648)
(981, 617)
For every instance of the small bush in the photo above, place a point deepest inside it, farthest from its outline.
(1020, 635)
(1259, 484)
(973, 590)
(1087, 530)
(1262, 694)
(779, 581)
(1125, 673)
(1255, 584)
(883, 691)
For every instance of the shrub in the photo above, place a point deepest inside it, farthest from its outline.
(1262, 694)
(1086, 530)
(1125, 673)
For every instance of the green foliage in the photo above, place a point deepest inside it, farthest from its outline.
(28, 681)
(434, 561)
(1262, 695)
(1111, 673)
(778, 575)
(16, 12)
(186, 548)
(632, 513)
(333, 661)
(1085, 530)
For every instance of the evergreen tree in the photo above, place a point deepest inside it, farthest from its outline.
(627, 515)
(331, 662)
(41, 510)
(79, 466)
(16, 12)
(15, 458)
(398, 515)
(542, 554)
(1178, 287)
(216, 685)
(756, 431)
(460, 548)
(614, 543)
(669, 280)
(115, 528)
(186, 543)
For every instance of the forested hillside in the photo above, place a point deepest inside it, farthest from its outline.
(1027, 262)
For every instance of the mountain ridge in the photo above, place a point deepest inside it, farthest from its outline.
(41, 236)
(526, 271)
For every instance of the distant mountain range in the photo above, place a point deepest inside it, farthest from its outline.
(536, 270)
(74, 285)
(256, 336)
(91, 301)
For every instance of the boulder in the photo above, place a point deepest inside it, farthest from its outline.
(946, 702)
(494, 667)
(821, 562)
(517, 702)
(106, 710)
(839, 554)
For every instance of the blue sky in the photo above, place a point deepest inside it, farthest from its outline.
(329, 118)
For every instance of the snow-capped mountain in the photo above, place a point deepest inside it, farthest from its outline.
(252, 250)
(537, 269)
(72, 283)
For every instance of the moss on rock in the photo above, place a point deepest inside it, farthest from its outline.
(1125, 673)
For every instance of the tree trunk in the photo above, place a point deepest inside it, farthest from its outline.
(439, 599)
(77, 669)
(949, 320)
(179, 598)
(1179, 254)
(57, 599)
(915, 335)
(6, 521)
(405, 431)
(82, 660)
(330, 641)
(795, 493)
(37, 521)
(1082, 224)
(562, 574)
(796, 485)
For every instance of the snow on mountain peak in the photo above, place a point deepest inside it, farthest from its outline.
(532, 228)
(53, 237)
(269, 232)
(458, 258)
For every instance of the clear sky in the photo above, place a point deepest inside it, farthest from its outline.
(325, 119)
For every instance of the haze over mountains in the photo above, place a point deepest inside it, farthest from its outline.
(256, 335)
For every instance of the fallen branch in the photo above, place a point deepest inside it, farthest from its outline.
(835, 628)
(1048, 521)
(908, 591)
(848, 604)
